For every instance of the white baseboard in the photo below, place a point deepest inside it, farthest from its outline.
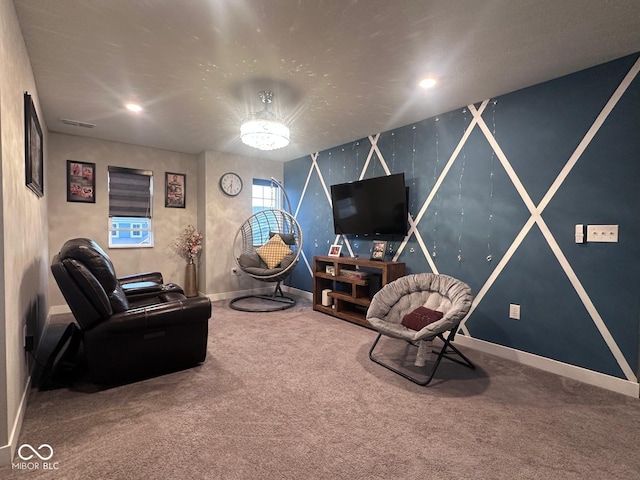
(229, 295)
(590, 377)
(297, 292)
(259, 291)
(8, 451)
(59, 310)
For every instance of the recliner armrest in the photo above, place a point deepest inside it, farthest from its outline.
(148, 291)
(136, 288)
(155, 277)
(184, 311)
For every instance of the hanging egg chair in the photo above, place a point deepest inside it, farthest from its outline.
(267, 247)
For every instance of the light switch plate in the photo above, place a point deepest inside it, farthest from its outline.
(602, 233)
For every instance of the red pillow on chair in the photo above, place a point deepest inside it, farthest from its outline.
(420, 318)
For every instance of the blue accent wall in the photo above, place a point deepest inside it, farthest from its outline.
(580, 303)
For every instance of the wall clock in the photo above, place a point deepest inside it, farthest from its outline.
(231, 184)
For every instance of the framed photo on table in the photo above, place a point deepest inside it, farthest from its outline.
(33, 146)
(378, 250)
(175, 185)
(81, 181)
(335, 250)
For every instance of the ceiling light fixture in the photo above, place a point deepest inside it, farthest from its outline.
(263, 130)
(133, 107)
(427, 83)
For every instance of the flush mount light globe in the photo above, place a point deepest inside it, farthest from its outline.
(263, 130)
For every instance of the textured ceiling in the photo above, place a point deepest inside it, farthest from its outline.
(340, 69)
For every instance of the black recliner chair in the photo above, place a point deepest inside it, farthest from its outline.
(130, 327)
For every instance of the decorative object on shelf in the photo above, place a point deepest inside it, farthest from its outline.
(175, 190)
(378, 250)
(355, 284)
(33, 146)
(264, 130)
(327, 301)
(188, 245)
(335, 250)
(230, 184)
(81, 182)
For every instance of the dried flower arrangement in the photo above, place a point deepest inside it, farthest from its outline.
(189, 244)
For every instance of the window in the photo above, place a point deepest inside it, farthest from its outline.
(264, 195)
(130, 201)
(136, 230)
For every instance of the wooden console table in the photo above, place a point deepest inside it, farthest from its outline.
(351, 295)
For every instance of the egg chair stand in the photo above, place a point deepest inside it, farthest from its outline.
(264, 303)
(267, 247)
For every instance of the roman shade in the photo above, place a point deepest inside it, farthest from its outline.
(129, 192)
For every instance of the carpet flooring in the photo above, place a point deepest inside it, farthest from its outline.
(293, 395)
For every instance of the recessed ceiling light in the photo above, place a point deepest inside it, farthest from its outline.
(427, 82)
(134, 107)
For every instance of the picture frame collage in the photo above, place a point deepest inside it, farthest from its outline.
(81, 185)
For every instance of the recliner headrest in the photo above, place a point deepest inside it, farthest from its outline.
(91, 255)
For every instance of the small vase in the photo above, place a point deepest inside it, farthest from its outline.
(190, 280)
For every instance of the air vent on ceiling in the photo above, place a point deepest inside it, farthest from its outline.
(76, 123)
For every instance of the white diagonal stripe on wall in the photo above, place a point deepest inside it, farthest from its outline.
(536, 216)
(586, 301)
(414, 225)
(534, 210)
(423, 247)
(372, 139)
(374, 146)
(321, 178)
(606, 110)
(314, 156)
(497, 271)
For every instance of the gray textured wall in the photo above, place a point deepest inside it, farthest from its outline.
(23, 238)
(217, 216)
(223, 216)
(71, 219)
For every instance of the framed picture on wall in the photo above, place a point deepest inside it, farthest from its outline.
(33, 146)
(81, 181)
(175, 186)
(378, 250)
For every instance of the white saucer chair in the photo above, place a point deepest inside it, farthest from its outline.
(418, 308)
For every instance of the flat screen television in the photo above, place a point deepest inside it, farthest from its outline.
(375, 206)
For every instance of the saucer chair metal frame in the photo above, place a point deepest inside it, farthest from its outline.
(437, 291)
(255, 232)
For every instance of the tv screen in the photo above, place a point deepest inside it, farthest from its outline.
(375, 206)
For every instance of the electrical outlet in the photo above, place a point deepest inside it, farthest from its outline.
(602, 233)
(514, 311)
